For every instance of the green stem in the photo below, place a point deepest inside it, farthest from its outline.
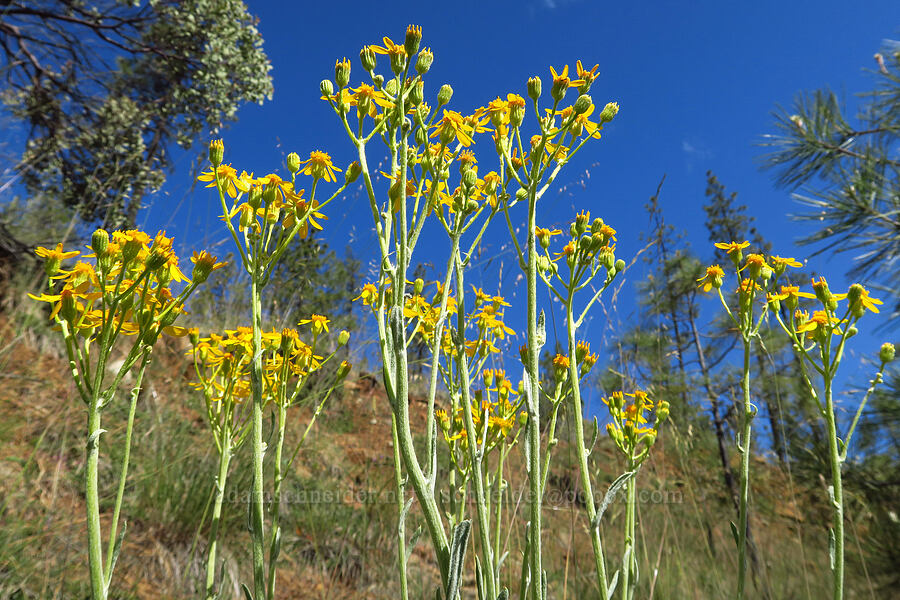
(401, 525)
(224, 460)
(744, 449)
(534, 421)
(92, 501)
(838, 493)
(256, 495)
(120, 492)
(276, 500)
(586, 486)
(629, 574)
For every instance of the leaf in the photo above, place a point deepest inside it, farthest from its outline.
(116, 549)
(458, 545)
(734, 534)
(614, 488)
(612, 585)
(594, 434)
(504, 594)
(247, 594)
(541, 337)
(413, 541)
(479, 579)
(275, 550)
(831, 547)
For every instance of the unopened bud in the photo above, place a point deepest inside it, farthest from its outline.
(417, 93)
(342, 73)
(609, 112)
(423, 62)
(326, 87)
(293, 162)
(367, 58)
(343, 370)
(352, 172)
(413, 38)
(534, 87)
(216, 152)
(343, 337)
(887, 352)
(444, 94)
(418, 286)
(620, 265)
(99, 242)
(583, 103)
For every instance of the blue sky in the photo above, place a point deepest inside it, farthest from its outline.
(696, 83)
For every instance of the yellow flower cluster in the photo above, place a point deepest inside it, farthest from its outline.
(631, 429)
(269, 200)
(495, 420)
(224, 361)
(126, 284)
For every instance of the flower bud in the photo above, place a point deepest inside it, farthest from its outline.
(559, 89)
(534, 88)
(662, 411)
(216, 152)
(609, 112)
(343, 337)
(417, 93)
(343, 370)
(423, 62)
(391, 87)
(67, 305)
(620, 265)
(824, 294)
(418, 286)
(523, 354)
(293, 162)
(367, 58)
(421, 138)
(488, 375)
(194, 336)
(99, 242)
(378, 81)
(352, 172)
(444, 94)
(543, 263)
(469, 177)
(342, 72)
(413, 38)
(523, 418)
(326, 87)
(255, 197)
(581, 221)
(887, 352)
(583, 103)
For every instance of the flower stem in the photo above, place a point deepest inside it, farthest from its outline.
(534, 422)
(276, 499)
(224, 460)
(401, 525)
(92, 500)
(586, 486)
(744, 448)
(837, 493)
(120, 492)
(256, 496)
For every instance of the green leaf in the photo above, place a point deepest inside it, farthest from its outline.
(275, 550)
(116, 549)
(247, 594)
(734, 534)
(458, 545)
(614, 488)
(541, 338)
(612, 585)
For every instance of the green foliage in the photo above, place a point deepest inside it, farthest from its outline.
(100, 118)
(848, 170)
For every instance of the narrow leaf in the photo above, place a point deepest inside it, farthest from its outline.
(614, 488)
(457, 557)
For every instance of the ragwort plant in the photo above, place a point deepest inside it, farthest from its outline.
(264, 215)
(124, 293)
(222, 364)
(819, 341)
(424, 146)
